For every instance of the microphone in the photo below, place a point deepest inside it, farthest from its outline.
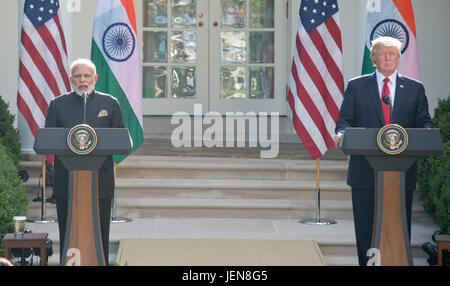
(387, 100)
(84, 106)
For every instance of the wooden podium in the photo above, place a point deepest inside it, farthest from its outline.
(390, 231)
(82, 244)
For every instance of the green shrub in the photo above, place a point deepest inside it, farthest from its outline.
(13, 196)
(434, 174)
(441, 118)
(9, 136)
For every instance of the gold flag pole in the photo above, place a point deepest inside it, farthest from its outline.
(115, 173)
(317, 220)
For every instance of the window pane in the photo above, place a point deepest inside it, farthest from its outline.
(156, 13)
(183, 47)
(261, 47)
(184, 13)
(261, 14)
(155, 47)
(232, 82)
(233, 13)
(154, 82)
(233, 47)
(261, 82)
(183, 82)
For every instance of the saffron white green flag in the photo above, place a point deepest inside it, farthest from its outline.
(393, 18)
(115, 53)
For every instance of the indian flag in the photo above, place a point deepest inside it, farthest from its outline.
(115, 53)
(394, 18)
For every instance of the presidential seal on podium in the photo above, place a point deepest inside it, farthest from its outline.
(82, 139)
(392, 139)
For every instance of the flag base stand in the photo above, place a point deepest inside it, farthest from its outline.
(114, 217)
(43, 219)
(121, 219)
(317, 220)
(312, 221)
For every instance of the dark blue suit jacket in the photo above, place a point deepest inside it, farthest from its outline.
(67, 111)
(361, 107)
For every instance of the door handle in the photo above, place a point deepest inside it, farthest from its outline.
(215, 23)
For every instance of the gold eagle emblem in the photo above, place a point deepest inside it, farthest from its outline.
(82, 139)
(393, 138)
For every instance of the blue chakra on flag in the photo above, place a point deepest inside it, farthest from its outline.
(391, 28)
(118, 42)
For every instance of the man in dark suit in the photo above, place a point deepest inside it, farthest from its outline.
(363, 107)
(102, 111)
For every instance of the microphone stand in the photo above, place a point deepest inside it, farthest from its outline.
(84, 107)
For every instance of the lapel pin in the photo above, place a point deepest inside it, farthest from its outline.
(401, 86)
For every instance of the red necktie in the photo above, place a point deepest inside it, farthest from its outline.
(386, 107)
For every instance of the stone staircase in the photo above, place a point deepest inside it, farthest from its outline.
(228, 187)
(152, 186)
(211, 187)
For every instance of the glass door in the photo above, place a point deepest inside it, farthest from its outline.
(174, 68)
(247, 56)
(228, 55)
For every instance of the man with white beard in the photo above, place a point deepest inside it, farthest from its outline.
(102, 111)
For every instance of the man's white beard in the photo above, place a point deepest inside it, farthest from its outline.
(80, 92)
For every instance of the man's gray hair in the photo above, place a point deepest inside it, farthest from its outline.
(385, 42)
(85, 62)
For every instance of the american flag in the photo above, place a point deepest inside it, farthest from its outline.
(316, 84)
(43, 67)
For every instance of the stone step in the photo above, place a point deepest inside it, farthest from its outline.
(227, 208)
(218, 168)
(207, 188)
(229, 168)
(217, 208)
(290, 148)
(231, 208)
(210, 189)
